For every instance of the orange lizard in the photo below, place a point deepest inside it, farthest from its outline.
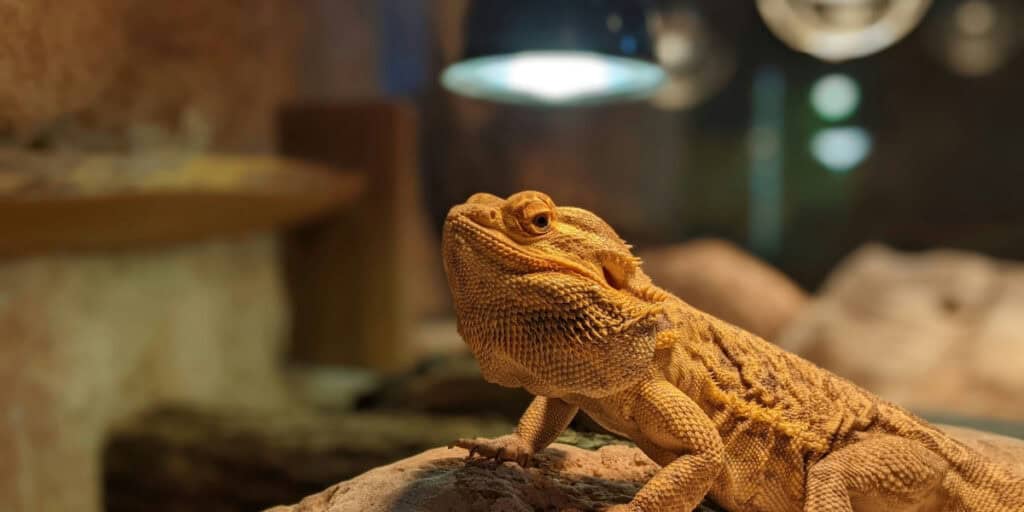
(552, 300)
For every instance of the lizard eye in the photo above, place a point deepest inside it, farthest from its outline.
(539, 223)
(542, 221)
(535, 217)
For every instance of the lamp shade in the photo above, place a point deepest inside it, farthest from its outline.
(555, 52)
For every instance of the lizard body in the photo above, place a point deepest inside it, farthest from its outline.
(551, 299)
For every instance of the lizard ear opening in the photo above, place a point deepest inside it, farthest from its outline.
(615, 273)
(610, 278)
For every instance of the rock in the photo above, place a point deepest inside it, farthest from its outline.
(232, 459)
(565, 478)
(728, 282)
(939, 331)
(90, 339)
(116, 73)
(58, 58)
(331, 388)
(447, 384)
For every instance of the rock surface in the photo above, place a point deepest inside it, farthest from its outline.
(117, 73)
(718, 277)
(565, 478)
(939, 331)
(91, 339)
(239, 459)
(447, 384)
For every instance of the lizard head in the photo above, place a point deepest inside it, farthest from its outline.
(548, 298)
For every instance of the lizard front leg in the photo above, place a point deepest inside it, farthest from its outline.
(677, 434)
(542, 422)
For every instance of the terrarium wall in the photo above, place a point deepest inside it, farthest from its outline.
(91, 338)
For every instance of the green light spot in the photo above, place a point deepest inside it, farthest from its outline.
(835, 97)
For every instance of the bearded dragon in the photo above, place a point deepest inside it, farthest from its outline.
(550, 299)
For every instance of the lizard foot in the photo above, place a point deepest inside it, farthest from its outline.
(509, 447)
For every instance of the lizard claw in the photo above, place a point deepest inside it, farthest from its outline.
(505, 448)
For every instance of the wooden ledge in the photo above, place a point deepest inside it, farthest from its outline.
(63, 202)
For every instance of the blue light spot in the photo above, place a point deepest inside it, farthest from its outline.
(841, 149)
(628, 45)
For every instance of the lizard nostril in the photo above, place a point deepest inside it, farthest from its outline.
(492, 218)
(484, 216)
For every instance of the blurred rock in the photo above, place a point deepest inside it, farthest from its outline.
(728, 282)
(90, 339)
(232, 459)
(564, 477)
(939, 331)
(447, 384)
(58, 58)
(331, 388)
(116, 73)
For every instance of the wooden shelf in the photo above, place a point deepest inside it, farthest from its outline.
(62, 202)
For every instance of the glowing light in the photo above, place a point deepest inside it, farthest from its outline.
(558, 78)
(835, 97)
(978, 37)
(975, 17)
(841, 149)
(553, 77)
(836, 30)
(698, 61)
(674, 49)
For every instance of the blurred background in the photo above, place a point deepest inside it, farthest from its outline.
(220, 277)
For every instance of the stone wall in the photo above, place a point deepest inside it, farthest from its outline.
(120, 73)
(90, 340)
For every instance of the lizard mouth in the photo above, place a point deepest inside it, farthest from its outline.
(500, 247)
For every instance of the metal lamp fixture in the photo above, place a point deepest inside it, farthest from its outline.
(555, 52)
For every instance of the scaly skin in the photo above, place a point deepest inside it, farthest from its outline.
(551, 299)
